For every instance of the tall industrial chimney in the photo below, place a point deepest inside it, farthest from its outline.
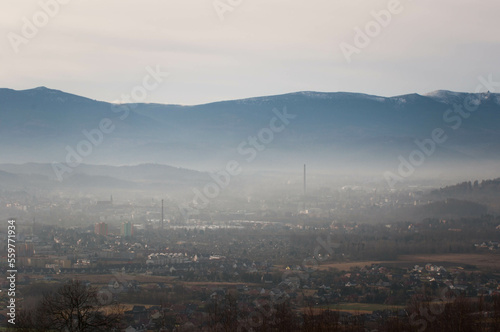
(304, 198)
(304, 180)
(162, 214)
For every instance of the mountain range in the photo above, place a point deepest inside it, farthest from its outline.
(342, 131)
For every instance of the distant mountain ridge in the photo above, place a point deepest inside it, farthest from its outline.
(144, 177)
(337, 128)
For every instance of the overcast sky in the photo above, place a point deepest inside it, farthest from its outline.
(101, 48)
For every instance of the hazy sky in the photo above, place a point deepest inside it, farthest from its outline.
(100, 49)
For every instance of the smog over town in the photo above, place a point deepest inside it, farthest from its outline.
(231, 165)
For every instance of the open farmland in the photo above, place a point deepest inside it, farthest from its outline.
(485, 260)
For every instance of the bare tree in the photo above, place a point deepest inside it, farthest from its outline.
(223, 313)
(74, 307)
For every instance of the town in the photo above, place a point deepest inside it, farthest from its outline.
(173, 274)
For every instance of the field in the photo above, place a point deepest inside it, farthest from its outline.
(355, 308)
(486, 260)
(104, 279)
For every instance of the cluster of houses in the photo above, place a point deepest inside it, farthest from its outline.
(370, 284)
(490, 245)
